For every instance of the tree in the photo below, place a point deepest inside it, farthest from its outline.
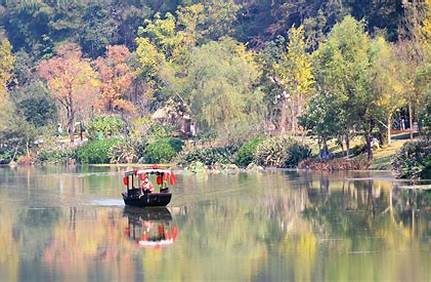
(387, 82)
(219, 87)
(72, 82)
(7, 61)
(294, 74)
(116, 78)
(35, 105)
(99, 29)
(342, 72)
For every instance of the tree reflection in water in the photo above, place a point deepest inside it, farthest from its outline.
(270, 226)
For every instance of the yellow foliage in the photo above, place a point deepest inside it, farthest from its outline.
(7, 61)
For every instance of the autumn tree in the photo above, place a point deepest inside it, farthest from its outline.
(116, 77)
(7, 61)
(294, 74)
(72, 81)
(388, 84)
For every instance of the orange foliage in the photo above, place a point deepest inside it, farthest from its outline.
(71, 80)
(116, 77)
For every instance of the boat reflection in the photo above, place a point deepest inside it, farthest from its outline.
(151, 227)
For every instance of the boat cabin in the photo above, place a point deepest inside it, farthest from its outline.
(141, 191)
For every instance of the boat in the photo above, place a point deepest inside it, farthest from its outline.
(139, 197)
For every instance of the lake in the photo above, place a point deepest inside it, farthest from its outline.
(71, 224)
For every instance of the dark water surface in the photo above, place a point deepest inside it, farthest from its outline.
(71, 225)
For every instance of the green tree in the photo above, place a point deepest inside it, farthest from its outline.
(343, 71)
(220, 87)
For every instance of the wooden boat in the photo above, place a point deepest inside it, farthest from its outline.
(137, 196)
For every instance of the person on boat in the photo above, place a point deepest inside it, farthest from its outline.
(147, 186)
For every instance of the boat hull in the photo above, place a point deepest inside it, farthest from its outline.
(135, 199)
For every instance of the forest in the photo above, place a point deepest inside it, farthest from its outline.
(262, 82)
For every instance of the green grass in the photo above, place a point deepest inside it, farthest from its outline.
(383, 156)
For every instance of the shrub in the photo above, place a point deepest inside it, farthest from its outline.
(413, 160)
(334, 164)
(208, 156)
(96, 151)
(6, 156)
(246, 153)
(124, 152)
(55, 155)
(105, 127)
(281, 152)
(161, 151)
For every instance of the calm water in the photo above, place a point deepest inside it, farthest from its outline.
(70, 224)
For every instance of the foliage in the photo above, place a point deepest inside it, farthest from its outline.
(96, 151)
(116, 77)
(162, 150)
(413, 160)
(125, 152)
(55, 156)
(208, 156)
(220, 87)
(281, 152)
(72, 82)
(334, 164)
(6, 64)
(295, 76)
(35, 105)
(246, 153)
(105, 127)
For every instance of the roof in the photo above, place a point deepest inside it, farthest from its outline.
(148, 171)
(153, 171)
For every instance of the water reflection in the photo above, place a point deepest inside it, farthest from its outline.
(151, 227)
(271, 226)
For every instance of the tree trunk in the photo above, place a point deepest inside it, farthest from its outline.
(347, 145)
(389, 129)
(283, 117)
(70, 123)
(410, 121)
(369, 148)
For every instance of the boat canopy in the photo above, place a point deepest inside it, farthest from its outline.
(154, 171)
(148, 171)
(163, 175)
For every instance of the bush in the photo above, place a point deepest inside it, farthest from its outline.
(281, 152)
(55, 156)
(209, 156)
(413, 160)
(6, 156)
(334, 164)
(105, 127)
(162, 150)
(246, 153)
(124, 152)
(96, 151)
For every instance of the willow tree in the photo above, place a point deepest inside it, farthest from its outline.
(72, 81)
(294, 74)
(220, 87)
